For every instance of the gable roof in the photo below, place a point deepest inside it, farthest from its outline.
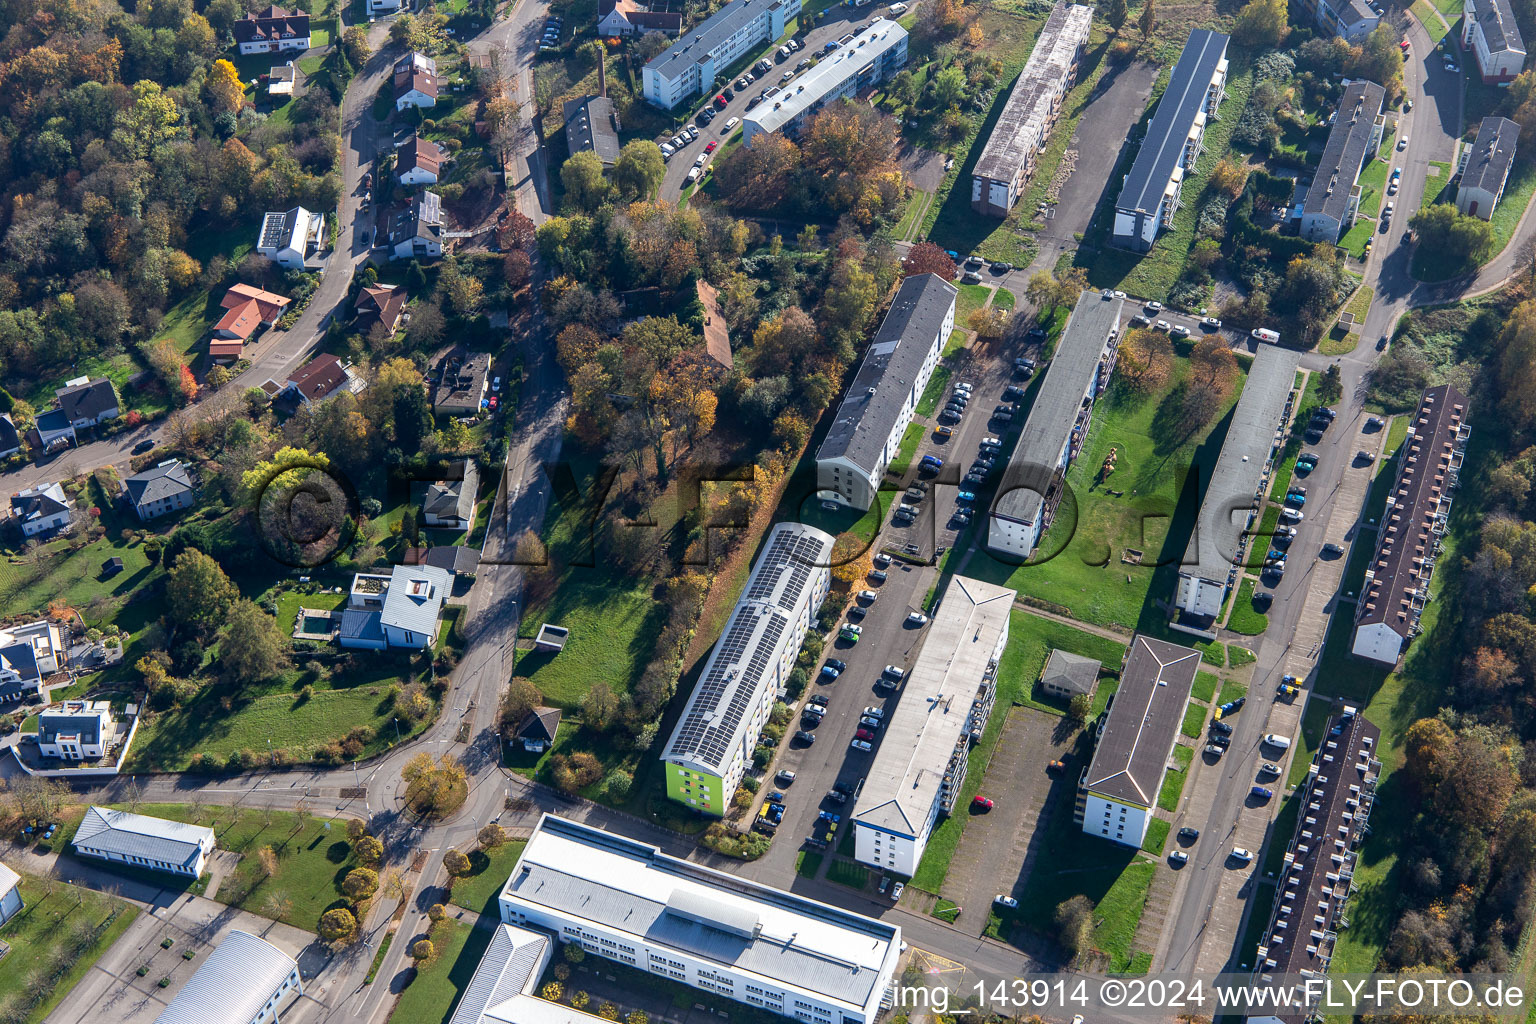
(318, 377)
(54, 421)
(1142, 724)
(139, 835)
(10, 437)
(591, 123)
(455, 496)
(640, 16)
(540, 724)
(271, 23)
(163, 481)
(456, 558)
(285, 230)
(888, 373)
(39, 502)
(505, 973)
(416, 71)
(1163, 146)
(419, 153)
(415, 597)
(361, 624)
(20, 658)
(710, 34)
(1496, 20)
(270, 304)
(87, 401)
(1490, 159)
(1347, 149)
(381, 303)
(8, 879)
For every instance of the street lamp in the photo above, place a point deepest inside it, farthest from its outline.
(397, 729)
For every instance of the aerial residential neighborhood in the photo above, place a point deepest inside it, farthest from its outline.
(552, 513)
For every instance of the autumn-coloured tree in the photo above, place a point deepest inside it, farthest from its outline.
(225, 90)
(1145, 362)
(989, 323)
(783, 342)
(456, 863)
(760, 176)
(928, 258)
(422, 950)
(1228, 176)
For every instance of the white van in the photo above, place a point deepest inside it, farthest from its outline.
(1277, 741)
(898, 8)
(1265, 334)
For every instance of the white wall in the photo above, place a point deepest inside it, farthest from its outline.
(892, 853)
(1129, 832)
(1378, 642)
(1200, 597)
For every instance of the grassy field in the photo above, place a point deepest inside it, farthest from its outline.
(1078, 565)
(435, 989)
(1156, 837)
(1194, 720)
(909, 442)
(807, 863)
(477, 891)
(1205, 686)
(1246, 617)
(54, 941)
(972, 298)
(1517, 196)
(1030, 639)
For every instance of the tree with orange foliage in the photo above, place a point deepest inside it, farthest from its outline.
(226, 93)
(1145, 363)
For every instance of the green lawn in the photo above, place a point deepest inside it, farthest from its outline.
(972, 297)
(1425, 12)
(1156, 837)
(1194, 720)
(909, 442)
(1355, 238)
(477, 891)
(434, 990)
(956, 342)
(54, 942)
(1231, 690)
(1173, 781)
(1246, 617)
(1205, 686)
(1517, 196)
(935, 390)
(1030, 639)
(849, 873)
(807, 863)
(1004, 299)
(313, 855)
(1078, 565)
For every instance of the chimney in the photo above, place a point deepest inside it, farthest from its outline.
(602, 75)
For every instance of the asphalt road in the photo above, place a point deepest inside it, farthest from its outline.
(837, 22)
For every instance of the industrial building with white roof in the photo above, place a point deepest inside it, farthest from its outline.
(712, 743)
(245, 980)
(628, 901)
(920, 767)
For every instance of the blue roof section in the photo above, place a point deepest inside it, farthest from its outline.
(1159, 154)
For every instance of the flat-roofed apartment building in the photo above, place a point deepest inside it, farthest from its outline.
(1316, 875)
(1489, 30)
(919, 770)
(1118, 790)
(879, 404)
(1053, 434)
(746, 672)
(1351, 20)
(1485, 167)
(1008, 158)
(688, 67)
(875, 53)
(1408, 539)
(1236, 491)
(1150, 196)
(1333, 200)
(628, 901)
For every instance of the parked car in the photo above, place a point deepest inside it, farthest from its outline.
(143, 446)
(1277, 741)
(1153, 307)
(1238, 853)
(874, 712)
(1006, 901)
(870, 722)
(785, 777)
(861, 745)
(867, 595)
(1189, 833)
(896, 892)
(971, 277)
(1178, 857)
(805, 737)
(917, 619)
(1211, 323)
(1214, 750)
(981, 803)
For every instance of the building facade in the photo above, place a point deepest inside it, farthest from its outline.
(748, 668)
(164, 489)
(1007, 161)
(29, 654)
(289, 239)
(689, 66)
(1408, 541)
(77, 730)
(1238, 483)
(1351, 20)
(1489, 30)
(1134, 740)
(142, 841)
(1173, 143)
(879, 403)
(245, 980)
(1057, 424)
(629, 902)
(919, 770)
(874, 54)
(1333, 201)
(272, 30)
(10, 894)
(41, 509)
(88, 402)
(1485, 167)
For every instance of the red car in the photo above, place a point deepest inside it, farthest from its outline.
(864, 734)
(493, 403)
(720, 102)
(711, 147)
(980, 803)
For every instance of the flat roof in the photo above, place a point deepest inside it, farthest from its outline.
(1346, 150)
(1336, 795)
(233, 985)
(1143, 722)
(619, 884)
(1404, 538)
(875, 398)
(812, 85)
(1234, 488)
(695, 44)
(1027, 116)
(1176, 111)
(1058, 401)
(1492, 154)
(935, 706)
(761, 626)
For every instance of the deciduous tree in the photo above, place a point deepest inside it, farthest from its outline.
(251, 647)
(928, 258)
(197, 591)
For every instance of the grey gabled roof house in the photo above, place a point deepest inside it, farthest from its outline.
(159, 490)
